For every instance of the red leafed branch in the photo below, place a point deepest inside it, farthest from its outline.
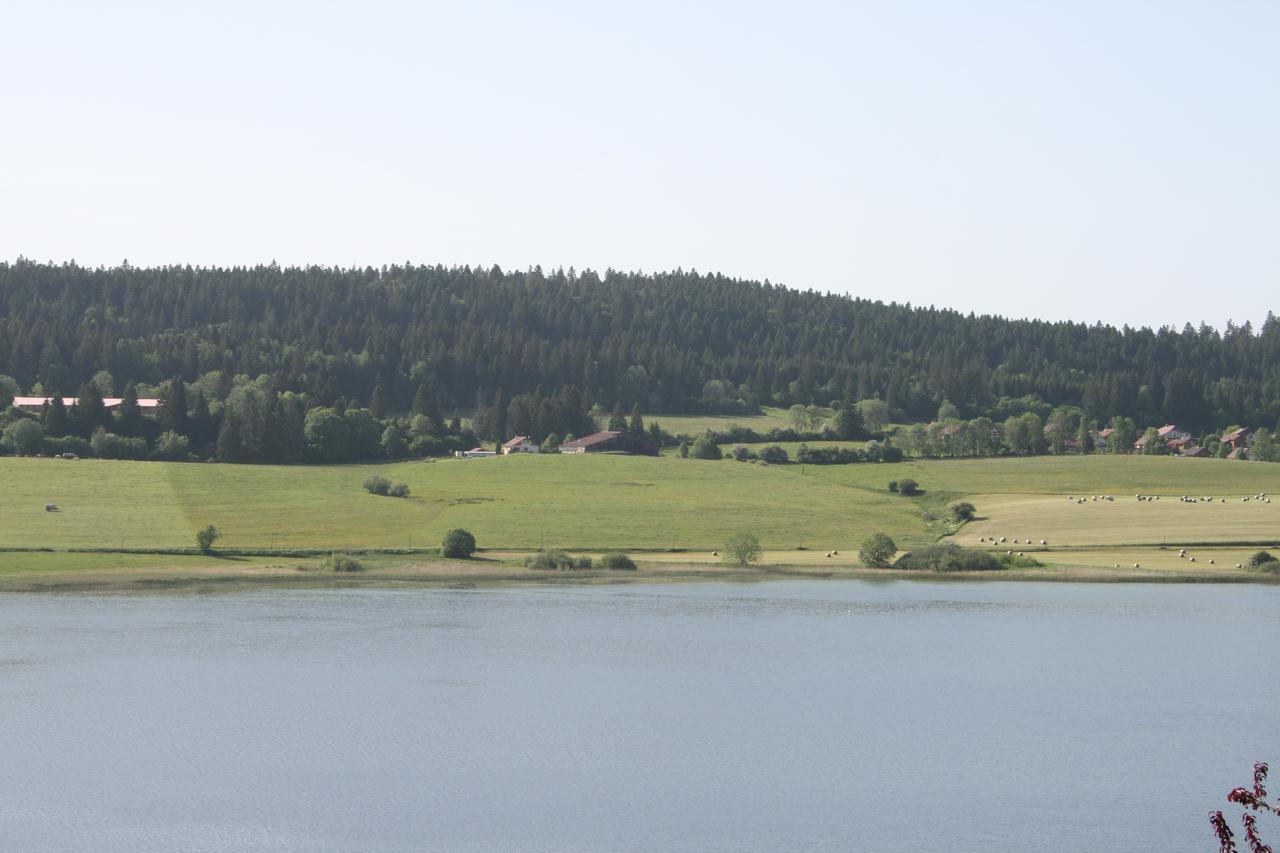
(1254, 800)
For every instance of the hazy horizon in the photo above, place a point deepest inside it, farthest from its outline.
(1089, 164)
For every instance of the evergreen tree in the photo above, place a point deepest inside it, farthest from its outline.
(91, 411)
(1085, 436)
(618, 420)
(229, 440)
(171, 407)
(377, 403)
(53, 417)
(128, 415)
(636, 427)
(203, 429)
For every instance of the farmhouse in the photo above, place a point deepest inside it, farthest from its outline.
(594, 443)
(1195, 452)
(519, 444)
(1100, 437)
(1238, 438)
(35, 404)
(1171, 432)
(474, 453)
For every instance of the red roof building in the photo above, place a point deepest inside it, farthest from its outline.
(519, 444)
(1237, 438)
(594, 443)
(35, 404)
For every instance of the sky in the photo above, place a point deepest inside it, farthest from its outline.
(1107, 161)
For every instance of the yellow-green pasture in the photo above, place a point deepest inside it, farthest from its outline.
(1124, 521)
(1067, 475)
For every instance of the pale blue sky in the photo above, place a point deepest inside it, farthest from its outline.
(1086, 160)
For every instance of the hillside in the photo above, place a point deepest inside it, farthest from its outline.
(678, 342)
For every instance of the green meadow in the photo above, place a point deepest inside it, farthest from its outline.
(695, 425)
(516, 502)
(667, 508)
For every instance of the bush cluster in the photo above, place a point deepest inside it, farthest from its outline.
(962, 511)
(1265, 561)
(336, 562)
(554, 558)
(379, 485)
(949, 557)
(616, 560)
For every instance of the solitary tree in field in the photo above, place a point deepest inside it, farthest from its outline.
(877, 551)
(743, 548)
(458, 543)
(205, 538)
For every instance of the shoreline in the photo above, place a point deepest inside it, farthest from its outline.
(98, 572)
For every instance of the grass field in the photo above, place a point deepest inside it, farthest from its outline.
(695, 425)
(640, 504)
(507, 502)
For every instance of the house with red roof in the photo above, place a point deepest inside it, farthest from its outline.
(519, 444)
(1238, 438)
(597, 442)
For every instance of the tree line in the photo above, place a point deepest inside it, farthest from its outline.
(677, 342)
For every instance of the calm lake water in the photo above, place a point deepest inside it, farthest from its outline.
(808, 715)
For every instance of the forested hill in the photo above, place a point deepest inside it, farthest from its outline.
(673, 342)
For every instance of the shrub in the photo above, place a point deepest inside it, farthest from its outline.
(877, 551)
(206, 537)
(774, 455)
(399, 490)
(948, 557)
(740, 453)
(962, 511)
(616, 560)
(706, 448)
(742, 548)
(893, 485)
(1265, 561)
(555, 559)
(24, 436)
(173, 446)
(908, 487)
(336, 562)
(377, 485)
(108, 445)
(67, 444)
(458, 543)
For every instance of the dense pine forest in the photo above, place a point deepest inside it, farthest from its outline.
(444, 341)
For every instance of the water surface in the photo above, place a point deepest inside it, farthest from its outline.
(814, 715)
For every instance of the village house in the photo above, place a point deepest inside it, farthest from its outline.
(1171, 432)
(519, 444)
(1100, 436)
(594, 443)
(1238, 438)
(474, 453)
(35, 404)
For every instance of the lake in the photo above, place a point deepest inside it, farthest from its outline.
(816, 715)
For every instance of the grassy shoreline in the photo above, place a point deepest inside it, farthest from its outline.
(112, 572)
